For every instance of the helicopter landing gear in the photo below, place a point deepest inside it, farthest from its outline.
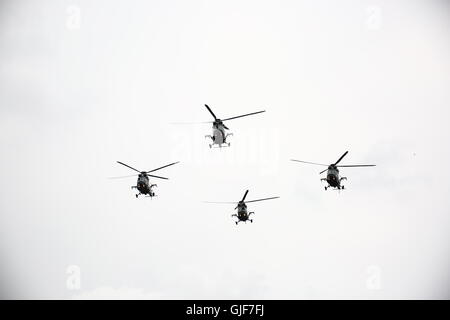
(342, 178)
(326, 188)
(251, 220)
(211, 137)
(224, 140)
(137, 196)
(236, 222)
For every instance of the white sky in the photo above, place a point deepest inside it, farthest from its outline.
(371, 77)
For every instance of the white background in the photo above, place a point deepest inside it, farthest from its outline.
(86, 83)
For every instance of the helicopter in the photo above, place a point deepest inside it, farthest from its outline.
(242, 213)
(219, 136)
(143, 185)
(333, 178)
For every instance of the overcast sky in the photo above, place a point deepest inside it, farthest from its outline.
(86, 83)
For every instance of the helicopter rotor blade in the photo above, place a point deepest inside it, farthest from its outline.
(133, 175)
(183, 123)
(357, 165)
(244, 115)
(218, 202)
(318, 164)
(225, 126)
(128, 166)
(323, 171)
(245, 195)
(150, 175)
(341, 158)
(210, 111)
(261, 199)
(171, 164)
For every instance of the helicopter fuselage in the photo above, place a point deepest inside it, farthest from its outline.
(333, 178)
(143, 185)
(242, 213)
(219, 136)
